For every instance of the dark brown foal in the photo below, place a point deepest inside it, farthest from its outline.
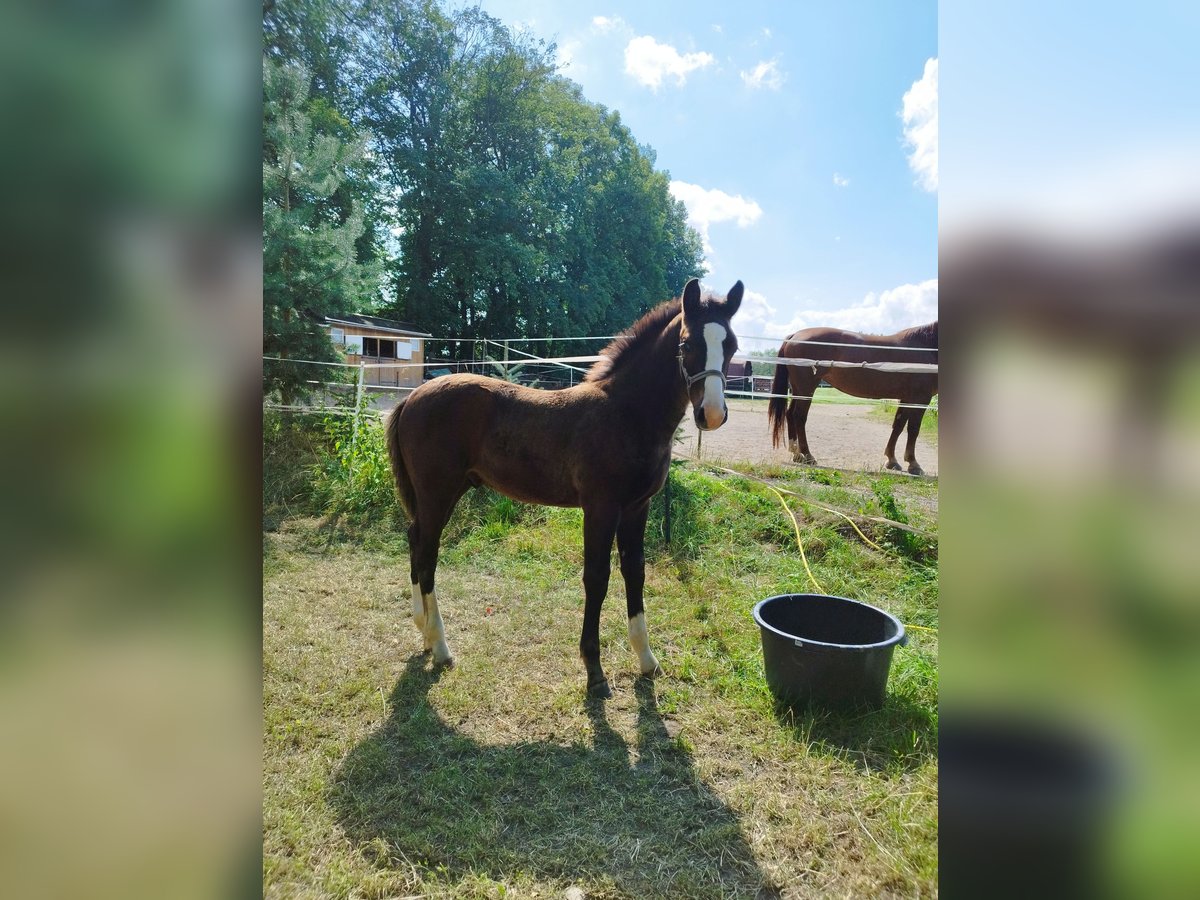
(603, 445)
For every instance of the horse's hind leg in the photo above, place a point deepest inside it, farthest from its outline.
(790, 418)
(902, 416)
(800, 417)
(418, 602)
(914, 428)
(434, 513)
(803, 383)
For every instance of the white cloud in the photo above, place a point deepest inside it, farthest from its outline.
(920, 114)
(566, 57)
(718, 28)
(765, 75)
(1116, 192)
(840, 180)
(766, 32)
(877, 313)
(605, 24)
(649, 62)
(706, 207)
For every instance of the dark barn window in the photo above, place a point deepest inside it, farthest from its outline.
(370, 346)
(387, 349)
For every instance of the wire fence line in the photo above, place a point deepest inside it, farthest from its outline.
(529, 360)
(566, 361)
(741, 337)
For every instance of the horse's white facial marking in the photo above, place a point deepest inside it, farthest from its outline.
(640, 642)
(714, 389)
(435, 631)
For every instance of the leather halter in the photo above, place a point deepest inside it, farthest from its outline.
(689, 380)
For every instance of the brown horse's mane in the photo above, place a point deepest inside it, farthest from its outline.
(926, 335)
(642, 333)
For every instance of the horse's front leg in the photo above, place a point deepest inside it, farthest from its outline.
(631, 539)
(599, 528)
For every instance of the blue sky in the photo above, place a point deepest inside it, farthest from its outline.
(783, 128)
(1082, 119)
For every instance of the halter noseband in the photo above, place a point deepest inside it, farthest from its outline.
(689, 380)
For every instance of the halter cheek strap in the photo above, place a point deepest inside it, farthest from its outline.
(689, 380)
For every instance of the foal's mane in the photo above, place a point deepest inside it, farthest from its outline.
(628, 344)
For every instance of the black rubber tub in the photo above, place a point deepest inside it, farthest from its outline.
(827, 651)
(1026, 806)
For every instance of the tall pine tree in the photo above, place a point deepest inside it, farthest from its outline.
(310, 265)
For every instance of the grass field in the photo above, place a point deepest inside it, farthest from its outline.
(498, 778)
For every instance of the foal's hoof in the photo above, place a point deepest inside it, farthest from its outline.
(892, 464)
(654, 672)
(442, 656)
(915, 470)
(600, 690)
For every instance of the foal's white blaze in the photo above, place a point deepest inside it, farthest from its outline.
(435, 631)
(640, 642)
(714, 390)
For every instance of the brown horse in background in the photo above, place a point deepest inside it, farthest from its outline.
(914, 390)
(604, 445)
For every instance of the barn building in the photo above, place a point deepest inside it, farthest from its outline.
(371, 339)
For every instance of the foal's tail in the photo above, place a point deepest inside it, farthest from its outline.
(404, 485)
(777, 410)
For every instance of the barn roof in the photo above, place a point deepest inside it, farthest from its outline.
(365, 321)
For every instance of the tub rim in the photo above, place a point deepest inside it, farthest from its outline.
(900, 637)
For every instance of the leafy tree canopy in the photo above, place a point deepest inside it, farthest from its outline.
(504, 203)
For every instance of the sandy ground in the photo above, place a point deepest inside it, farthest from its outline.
(840, 436)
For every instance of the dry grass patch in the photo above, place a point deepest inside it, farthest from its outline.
(498, 778)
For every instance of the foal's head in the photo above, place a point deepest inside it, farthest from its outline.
(706, 344)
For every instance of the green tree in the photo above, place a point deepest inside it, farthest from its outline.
(310, 262)
(523, 208)
(324, 38)
(515, 206)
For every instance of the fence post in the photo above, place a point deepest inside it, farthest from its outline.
(667, 509)
(358, 396)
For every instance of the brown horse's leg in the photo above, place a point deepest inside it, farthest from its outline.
(803, 382)
(418, 601)
(631, 539)
(800, 417)
(434, 512)
(897, 426)
(599, 528)
(790, 417)
(917, 413)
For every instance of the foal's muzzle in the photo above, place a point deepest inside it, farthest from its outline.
(702, 421)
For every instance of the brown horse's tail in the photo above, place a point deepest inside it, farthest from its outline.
(777, 410)
(404, 485)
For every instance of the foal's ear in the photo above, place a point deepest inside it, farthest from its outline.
(733, 299)
(691, 298)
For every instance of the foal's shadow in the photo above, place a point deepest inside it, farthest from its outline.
(419, 791)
